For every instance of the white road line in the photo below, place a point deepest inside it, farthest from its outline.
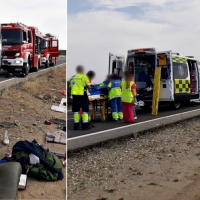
(132, 125)
(6, 80)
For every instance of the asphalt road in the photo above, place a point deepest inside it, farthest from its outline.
(142, 116)
(3, 73)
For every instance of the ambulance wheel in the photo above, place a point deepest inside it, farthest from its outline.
(176, 105)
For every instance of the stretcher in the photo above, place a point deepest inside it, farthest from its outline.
(100, 102)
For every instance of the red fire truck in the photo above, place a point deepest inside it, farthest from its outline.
(22, 47)
(49, 50)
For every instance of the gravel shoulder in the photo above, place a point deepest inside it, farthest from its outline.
(22, 103)
(159, 164)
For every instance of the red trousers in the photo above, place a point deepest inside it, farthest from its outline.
(128, 113)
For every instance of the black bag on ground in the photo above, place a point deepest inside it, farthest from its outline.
(49, 168)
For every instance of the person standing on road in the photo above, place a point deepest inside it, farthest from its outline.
(79, 86)
(128, 94)
(132, 71)
(114, 96)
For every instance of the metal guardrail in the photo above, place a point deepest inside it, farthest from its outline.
(101, 136)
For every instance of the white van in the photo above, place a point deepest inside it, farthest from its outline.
(179, 75)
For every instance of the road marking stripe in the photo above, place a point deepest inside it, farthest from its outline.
(132, 125)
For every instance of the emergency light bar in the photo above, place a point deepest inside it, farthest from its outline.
(142, 50)
(49, 35)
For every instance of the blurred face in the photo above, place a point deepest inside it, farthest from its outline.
(108, 78)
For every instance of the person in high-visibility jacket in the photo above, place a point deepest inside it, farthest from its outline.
(114, 96)
(79, 84)
(135, 115)
(128, 94)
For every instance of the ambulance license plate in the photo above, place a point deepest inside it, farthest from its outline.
(141, 103)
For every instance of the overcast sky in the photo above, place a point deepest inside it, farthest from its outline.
(48, 15)
(97, 27)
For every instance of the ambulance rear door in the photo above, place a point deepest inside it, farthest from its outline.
(116, 64)
(164, 60)
(198, 64)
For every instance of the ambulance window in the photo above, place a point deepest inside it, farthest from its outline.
(180, 70)
(29, 37)
(24, 36)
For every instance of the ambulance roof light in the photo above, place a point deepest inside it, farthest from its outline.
(141, 50)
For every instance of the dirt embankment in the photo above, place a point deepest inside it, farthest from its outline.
(22, 103)
(162, 164)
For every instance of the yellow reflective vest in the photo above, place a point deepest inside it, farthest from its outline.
(127, 94)
(78, 84)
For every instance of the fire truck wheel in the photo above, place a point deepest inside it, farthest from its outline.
(47, 64)
(25, 69)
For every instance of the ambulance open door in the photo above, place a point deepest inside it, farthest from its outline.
(163, 81)
(116, 64)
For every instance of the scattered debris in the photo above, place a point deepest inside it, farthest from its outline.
(6, 124)
(47, 122)
(5, 138)
(17, 123)
(175, 180)
(57, 137)
(154, 184)
(110, 190)
(62, 92)
(58, 121)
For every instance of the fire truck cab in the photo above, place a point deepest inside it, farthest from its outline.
(21, 46)
(49, 50)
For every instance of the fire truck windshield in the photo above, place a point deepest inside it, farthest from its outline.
(10, 37)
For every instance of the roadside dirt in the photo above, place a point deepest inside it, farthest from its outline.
(22, 103)
(162, 164)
